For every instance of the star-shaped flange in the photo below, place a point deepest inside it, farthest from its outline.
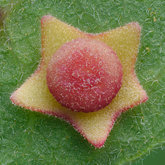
(94, 126)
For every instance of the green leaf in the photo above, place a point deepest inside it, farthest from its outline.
(32, 138)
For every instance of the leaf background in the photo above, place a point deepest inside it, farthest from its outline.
(32, 138)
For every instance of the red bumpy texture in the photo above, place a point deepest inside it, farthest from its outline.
(84, 75)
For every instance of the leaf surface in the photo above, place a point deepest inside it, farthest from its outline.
(33, 138)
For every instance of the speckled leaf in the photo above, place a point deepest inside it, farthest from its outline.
(32, 138)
